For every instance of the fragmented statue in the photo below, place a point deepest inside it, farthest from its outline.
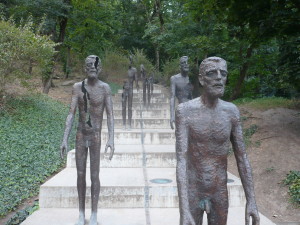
(91, 97)
(180, 87)
(205, 126)
(128, 97)
(147, 86)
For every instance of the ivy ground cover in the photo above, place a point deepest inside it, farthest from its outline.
(31, 129)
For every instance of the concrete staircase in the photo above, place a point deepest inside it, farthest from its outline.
(129, 194)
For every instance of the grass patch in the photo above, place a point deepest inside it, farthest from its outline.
(293, 181)
(31, 129)
(268, 103)
(114, 87)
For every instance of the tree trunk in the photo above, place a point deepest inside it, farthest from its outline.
(67, 69)
(157, 58)
(243, 73)
(30, 66)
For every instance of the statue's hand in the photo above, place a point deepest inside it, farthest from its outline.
(110, 144)
(172, 123)
(63, 149)
(251, 210)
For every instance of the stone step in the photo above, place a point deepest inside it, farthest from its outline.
(139, 96)
(132, 216)
(136, 113)
(137, 105)
(132, 156)
(124, 188)
(147, 123)
(134, 136)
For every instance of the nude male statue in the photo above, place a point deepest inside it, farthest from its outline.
(204, 128)
(91, 97)
(132, 76)
(147, 86)
(180, 87)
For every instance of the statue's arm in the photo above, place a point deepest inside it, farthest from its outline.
(110, 121)
(244, 167)
(181, 133)
(172, 102)
(69, 122)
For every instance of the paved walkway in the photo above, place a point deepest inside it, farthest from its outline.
(129, 194)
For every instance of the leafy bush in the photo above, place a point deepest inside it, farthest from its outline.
(293, 181)
(170, 68)
(20, 48)
(115, 66)
(31, 130)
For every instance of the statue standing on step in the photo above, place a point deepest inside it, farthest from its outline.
(147, 86)
(91, 97)
(132, 76)
(180, 87)
(204, 128)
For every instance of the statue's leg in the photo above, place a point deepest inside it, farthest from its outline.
(95, 181)
(130, 96)
(194, 199)
(148, 93)
(81, 156)
(144, 92)
(124, 101)
(219, 209)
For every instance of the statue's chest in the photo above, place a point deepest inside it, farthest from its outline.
(94, 97)
(212, 127)
(182, 85)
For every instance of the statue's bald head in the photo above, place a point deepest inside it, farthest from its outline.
(92, 65)
(209, 63)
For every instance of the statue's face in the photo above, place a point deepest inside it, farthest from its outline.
(214, 78)
(184, 66)
(92, 66)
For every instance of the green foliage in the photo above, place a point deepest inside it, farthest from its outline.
(18, 47)
(31, 130)
(293, 181)
(115, 66)
(21, 215)
(170, 68)
(268, 103)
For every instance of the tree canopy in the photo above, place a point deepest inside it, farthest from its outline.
(260, 39)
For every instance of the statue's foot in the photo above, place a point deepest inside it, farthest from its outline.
(129, 127)
(93, 219)
(81, 219)
(124, 127)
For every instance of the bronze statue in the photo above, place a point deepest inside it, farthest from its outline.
(180, 87)
(91, 97)
(204, 127)
(132, 76)
(147, 86)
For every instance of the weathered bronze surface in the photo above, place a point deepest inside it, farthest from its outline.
(205, 126)
(127, 97)
(147, 86)
(180, 87)
(91, 97)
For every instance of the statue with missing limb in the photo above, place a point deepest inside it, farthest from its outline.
(132, 76)
(91, 97)
(204, 128)
(180, 88)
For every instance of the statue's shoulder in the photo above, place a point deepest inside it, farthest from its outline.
(77, 86)
(230, 108)
(105, 86)
(187, 107)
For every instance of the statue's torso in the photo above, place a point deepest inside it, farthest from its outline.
(183, 88)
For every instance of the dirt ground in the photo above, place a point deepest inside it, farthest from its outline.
(273, 152)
